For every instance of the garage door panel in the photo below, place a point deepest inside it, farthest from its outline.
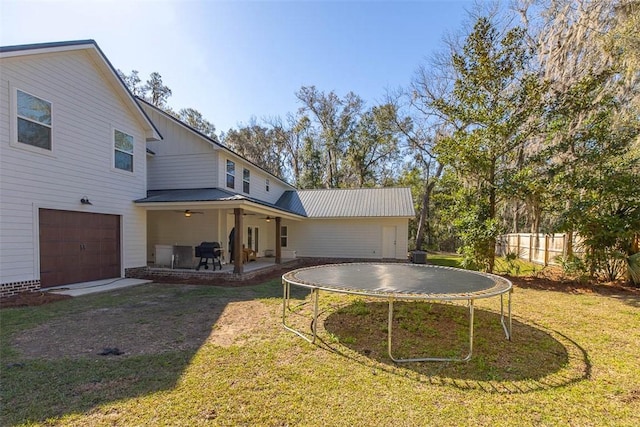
(78, 246)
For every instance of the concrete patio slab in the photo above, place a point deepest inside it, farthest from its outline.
(85, 288)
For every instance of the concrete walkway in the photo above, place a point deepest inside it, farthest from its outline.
(77, 289)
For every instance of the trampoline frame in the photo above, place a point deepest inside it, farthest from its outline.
(505, 287)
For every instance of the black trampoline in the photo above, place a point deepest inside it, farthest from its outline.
(399, 282)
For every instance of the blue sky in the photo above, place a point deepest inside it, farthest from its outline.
(235, 60)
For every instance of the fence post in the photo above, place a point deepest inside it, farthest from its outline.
(546, 250)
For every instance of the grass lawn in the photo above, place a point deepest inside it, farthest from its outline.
(199, 355)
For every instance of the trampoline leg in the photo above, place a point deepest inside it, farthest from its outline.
(430, 359)
(285, 306)
(507, 329)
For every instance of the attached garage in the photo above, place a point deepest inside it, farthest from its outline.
(78, 247)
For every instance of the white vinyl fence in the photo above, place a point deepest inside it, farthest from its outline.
(538, 248)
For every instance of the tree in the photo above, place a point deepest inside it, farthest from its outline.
(258, 144)
(373, 147)
(491, 104)
(196, 120)
(585, 155)
(156, 92)
(132, 81)
(335, 119)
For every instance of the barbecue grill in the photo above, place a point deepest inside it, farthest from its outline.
(208, 251)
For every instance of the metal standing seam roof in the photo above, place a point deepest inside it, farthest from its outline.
(350, 203)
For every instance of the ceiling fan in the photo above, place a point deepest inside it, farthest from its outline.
(187, 212)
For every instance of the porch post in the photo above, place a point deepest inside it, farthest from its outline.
(238, 267)
(278, 242)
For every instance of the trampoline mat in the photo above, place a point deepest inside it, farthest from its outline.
(399, 279)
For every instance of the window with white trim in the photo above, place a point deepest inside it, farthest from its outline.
(284, 237)
(123, 151)
(33, 120)
(246, 178)
(231, 174)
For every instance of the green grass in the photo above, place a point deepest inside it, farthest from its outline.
(516, 267)
(446, 260)
(573, 361)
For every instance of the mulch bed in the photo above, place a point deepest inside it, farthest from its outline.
(29, 299)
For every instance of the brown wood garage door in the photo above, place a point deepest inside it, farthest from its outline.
(78, 247)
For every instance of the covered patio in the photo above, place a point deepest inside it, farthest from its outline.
(179, 220)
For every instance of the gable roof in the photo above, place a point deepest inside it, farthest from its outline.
(349, 203)
(91, 47)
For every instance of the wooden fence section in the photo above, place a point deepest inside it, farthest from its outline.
(538, 248)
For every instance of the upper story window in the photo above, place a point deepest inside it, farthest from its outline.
(231, 174)
(123, 151)
(34, 120)
(266, 185)
(246, 178)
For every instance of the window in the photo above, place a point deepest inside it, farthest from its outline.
(231, 174)
(266, 185)
(250, 237)
(283, 236)
(246, 177)
(34, 120)
(123, 144)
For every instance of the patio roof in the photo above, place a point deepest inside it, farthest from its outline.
(203, 196)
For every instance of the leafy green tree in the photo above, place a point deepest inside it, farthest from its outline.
(491, 103)
(196, 120)
(596, 172)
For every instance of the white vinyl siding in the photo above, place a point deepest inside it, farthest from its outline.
(346, 238)
(86, 110)
(182, 159)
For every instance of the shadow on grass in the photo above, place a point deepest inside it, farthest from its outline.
(535, 359)
(51, 365)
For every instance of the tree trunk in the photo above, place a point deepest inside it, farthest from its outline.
(425, 216)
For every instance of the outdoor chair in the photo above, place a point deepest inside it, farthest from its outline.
(248, 255)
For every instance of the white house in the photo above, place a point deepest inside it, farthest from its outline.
(72, 159)
(93, 181)
(189, 172)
